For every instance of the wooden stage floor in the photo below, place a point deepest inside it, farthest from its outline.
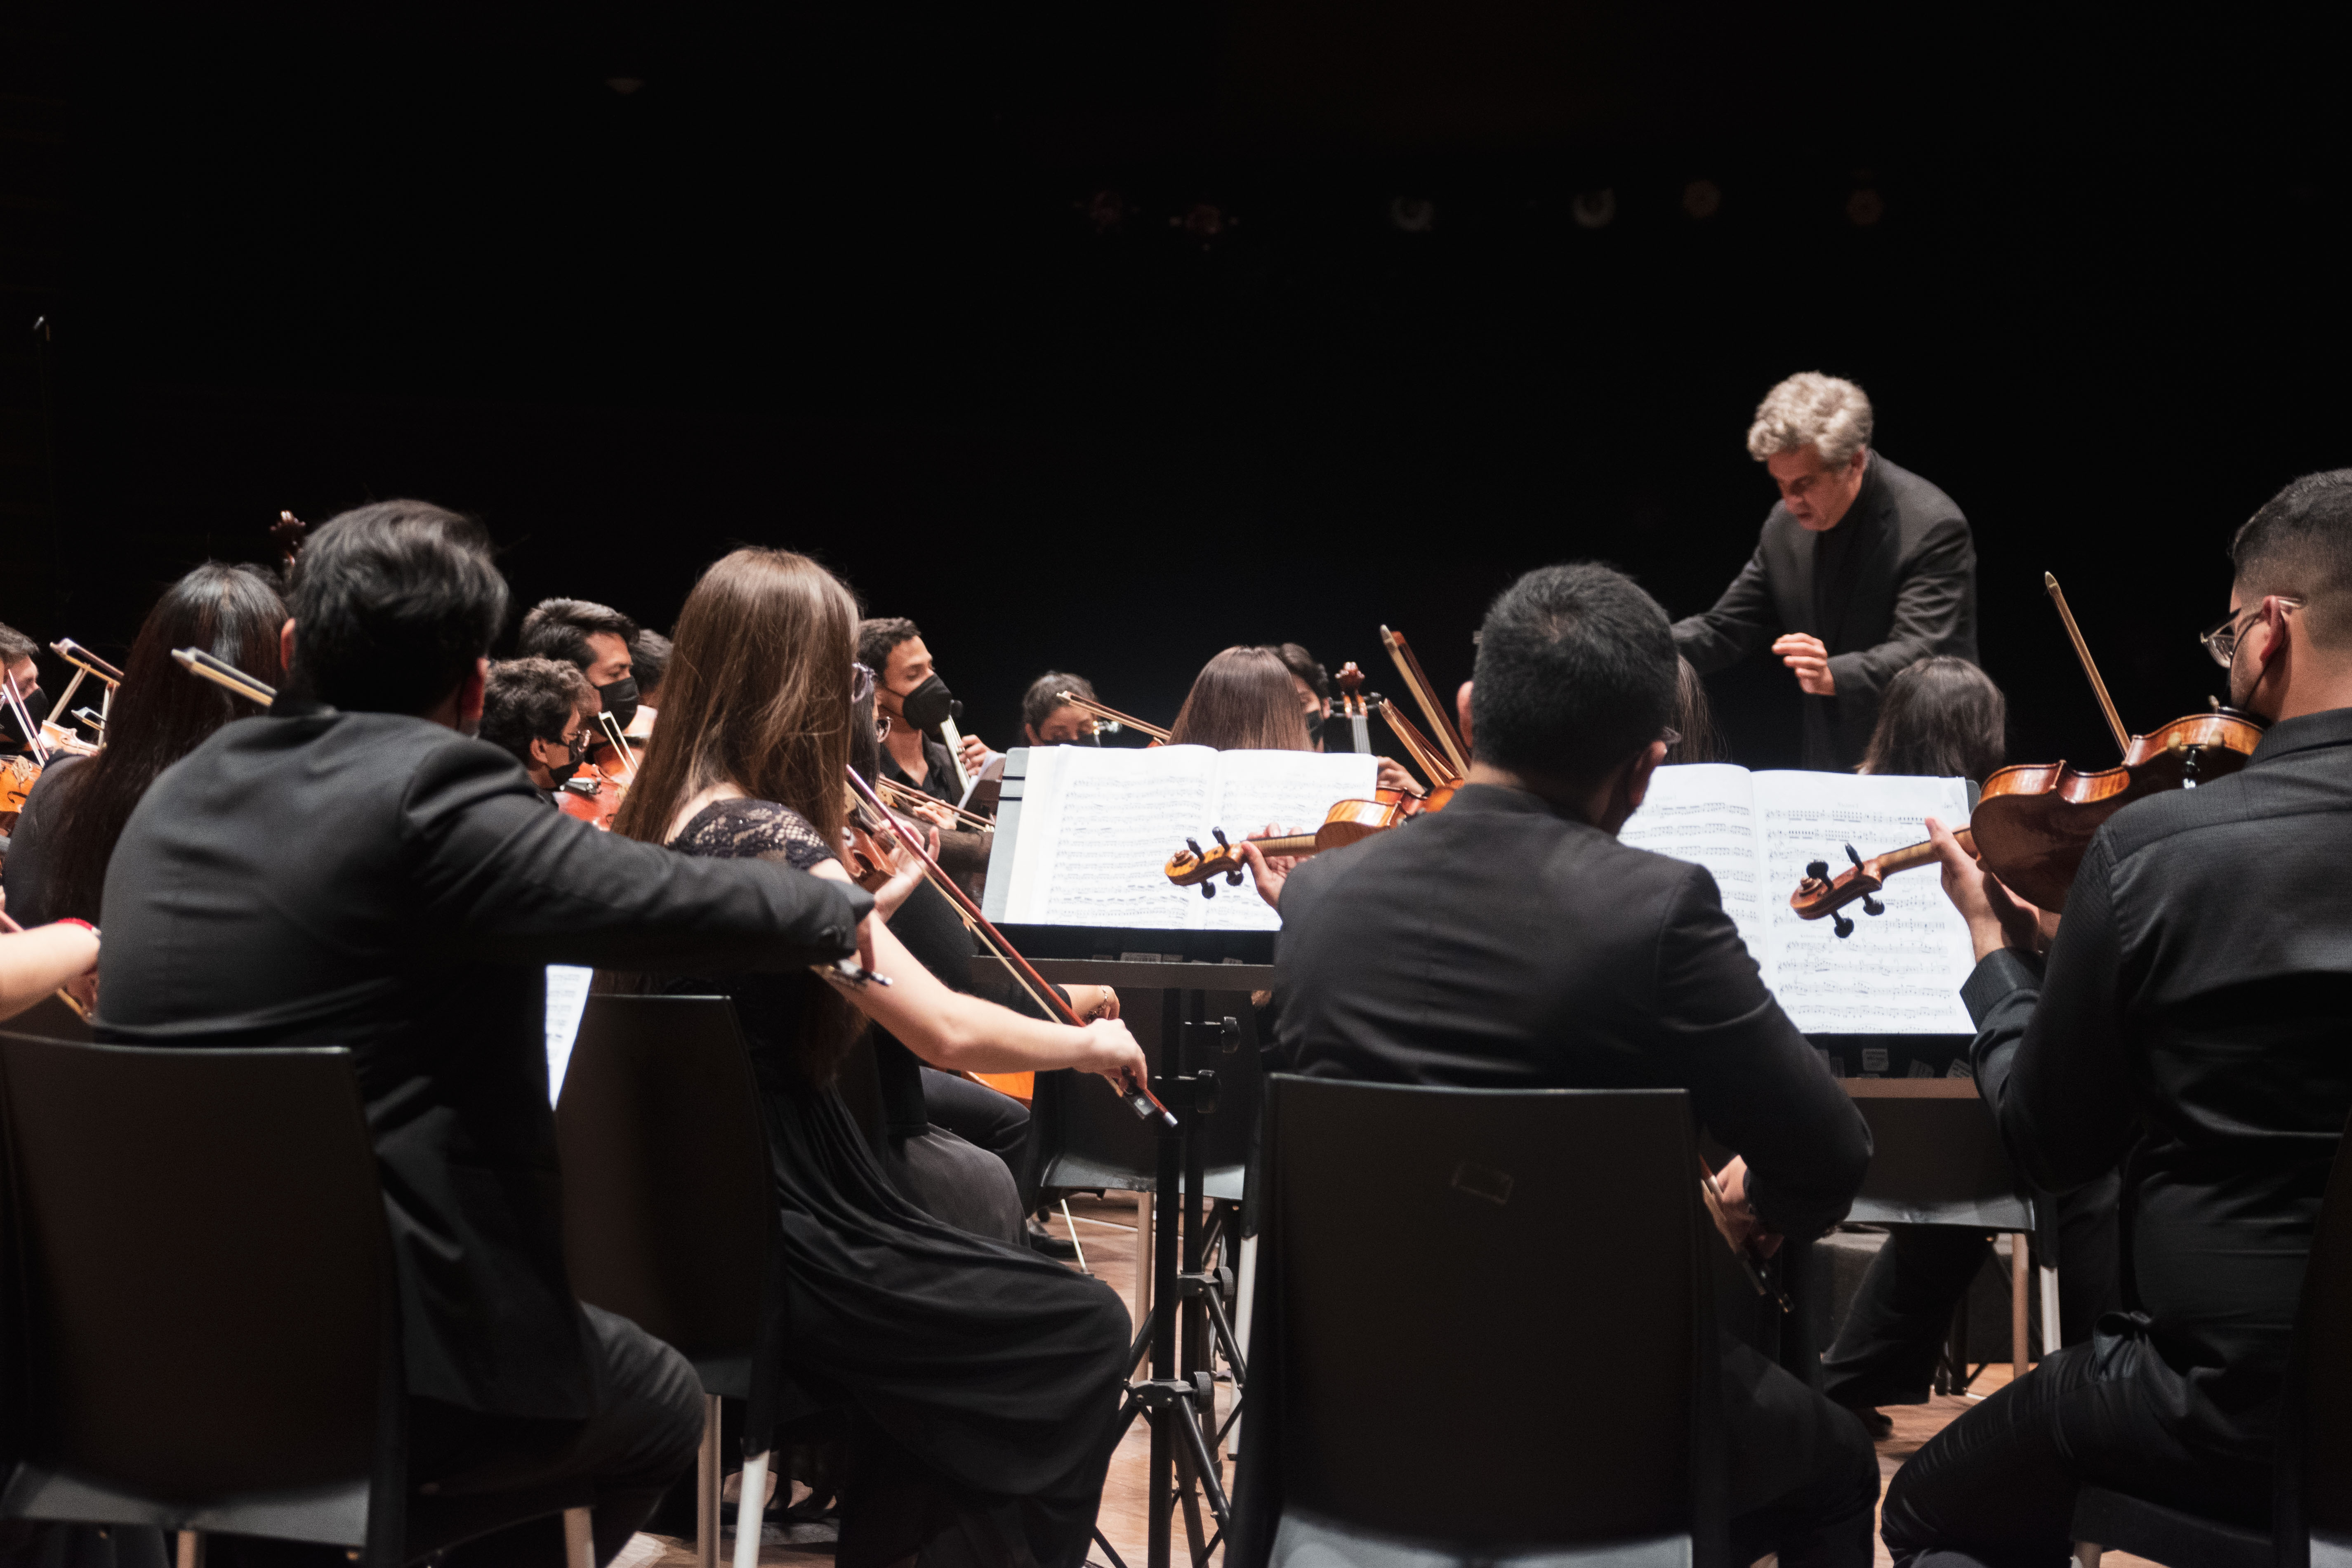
(1106, 1231)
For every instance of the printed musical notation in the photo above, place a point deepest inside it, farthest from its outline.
(1098, 827)
(1900, 972)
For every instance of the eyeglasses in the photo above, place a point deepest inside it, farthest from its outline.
(2222, 639)
(861, 683)
(577, 746)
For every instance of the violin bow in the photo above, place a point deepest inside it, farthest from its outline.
(913, 798)
(1423, 693)
(1110, 715)
(225, 675)
(1714, 1202)
(1417, 746)
(2090, 668)
(612, 728)
(40, 748)
(1139, 1097)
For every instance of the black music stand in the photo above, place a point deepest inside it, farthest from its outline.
(1187, 1322)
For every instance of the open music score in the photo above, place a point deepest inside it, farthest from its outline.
(1901, 972)
(1096, 827)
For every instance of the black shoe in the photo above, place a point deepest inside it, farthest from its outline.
(1052, 1245)
(1876, 1423)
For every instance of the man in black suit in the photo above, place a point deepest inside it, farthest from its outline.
(2189, 1022)
(350, 870)
(1863, 568)
(1511, 941)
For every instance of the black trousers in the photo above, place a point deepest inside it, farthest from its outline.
(1997, 1487)
(1885, 1350)
(976, 1114)
(1804, 1475)
(470, 1474)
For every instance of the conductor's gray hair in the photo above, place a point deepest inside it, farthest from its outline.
(1810, 409)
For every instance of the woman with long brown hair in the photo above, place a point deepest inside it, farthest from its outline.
(980, 1379)
(1242, 701)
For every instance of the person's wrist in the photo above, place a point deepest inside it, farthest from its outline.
(76, 920)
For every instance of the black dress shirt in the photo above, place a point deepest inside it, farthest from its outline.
(1892, 582)
(940, 781)
(381, 883)
(2192, 1022)
(1498, 945)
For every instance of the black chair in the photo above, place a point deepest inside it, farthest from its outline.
(52, 1018)
(669, 1214)
(1470, 1235)
(211, 1338)
(2312, 1507)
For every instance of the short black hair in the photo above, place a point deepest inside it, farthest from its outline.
(1576, 672)
(879, 635)
(648, 659)
(2300, 544)
(1301, 663)
(560, 629)
(1037, 703)
(528, 700)
(15, 645)
(392, 604)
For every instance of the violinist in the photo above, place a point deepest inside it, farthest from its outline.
(916, 702)
(1047, 721)
(2188, 1022)
(649, 661)
(1572, 960)
(539, 711)
(1312, 683)
(1862, 568)
(18, 668)
(1247, 699)
(596, 638)
(353, 869)
(978, 1379)
(66, 838)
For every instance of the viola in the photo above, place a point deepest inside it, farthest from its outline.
(1349, 822)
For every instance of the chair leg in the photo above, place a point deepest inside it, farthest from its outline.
(579, 1539)
(707, 1481)
(748, 1509)
(2020, 1270)
(2053, 1331)
(188, 1549)
(1145, 1210)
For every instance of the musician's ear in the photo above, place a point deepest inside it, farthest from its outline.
(469, 696)
(285, 649)
(1462, 716)
(1637, 783)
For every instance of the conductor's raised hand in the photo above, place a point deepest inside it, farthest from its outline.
(1112, 1052)
(1997, 917)
(1809, 657)
(1269, 872)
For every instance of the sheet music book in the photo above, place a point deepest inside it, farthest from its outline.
(1089, 841)
(567, 999)
(1899, 973)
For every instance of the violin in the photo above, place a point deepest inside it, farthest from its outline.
(1349, 822)
(2033, 822)
(597, 800)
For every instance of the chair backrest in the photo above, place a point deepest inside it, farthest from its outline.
(210, 1327)
(668, 1197)
(2315, 1472)
(1434, 1254)
(51, 1018)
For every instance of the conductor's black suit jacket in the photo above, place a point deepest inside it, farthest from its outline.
(1500, 945)
(382, 883)
(1904, 588)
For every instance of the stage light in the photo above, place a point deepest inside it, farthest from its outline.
(1106, 210)
(624, 85)
(1594, 209)
(1412, 215)
(1701, 198)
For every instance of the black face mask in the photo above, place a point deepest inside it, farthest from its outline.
(1314, 727)
(620, 699)
(561, 775)
(928, 705)
(37, 707)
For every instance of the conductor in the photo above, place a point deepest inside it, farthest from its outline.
(1863, 568)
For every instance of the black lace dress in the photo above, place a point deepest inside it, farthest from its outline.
(982, 1380)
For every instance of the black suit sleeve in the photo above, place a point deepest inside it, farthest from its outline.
(1743, 620)
(2049, 1048)
(506, 879)
(1928, 607)
(1753, 1080)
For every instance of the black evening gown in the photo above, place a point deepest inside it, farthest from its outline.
(983, 1381)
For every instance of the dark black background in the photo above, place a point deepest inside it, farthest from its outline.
(1088, 336)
